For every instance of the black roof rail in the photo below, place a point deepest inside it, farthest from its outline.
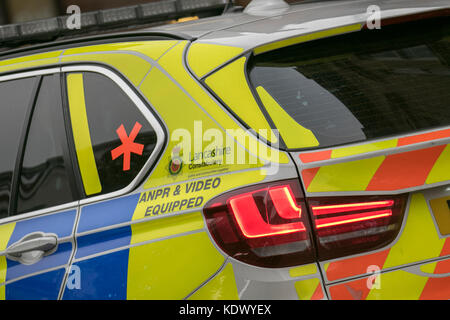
(95, 39)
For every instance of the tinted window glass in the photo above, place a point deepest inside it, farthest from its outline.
(122, 139)
(369, 84)
(15, 97)
(44, 179)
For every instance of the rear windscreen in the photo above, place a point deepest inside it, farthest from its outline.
(364, 85)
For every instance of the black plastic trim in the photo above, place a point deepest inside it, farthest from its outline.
(22, 143)
(69, 152)
(93, 40)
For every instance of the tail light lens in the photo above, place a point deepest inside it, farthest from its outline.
(268, 225)
(265, 225)
(350, 225)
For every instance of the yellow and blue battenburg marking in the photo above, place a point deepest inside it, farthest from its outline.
(20, 278)
(104, 276)
(132, 247)
(111, 267)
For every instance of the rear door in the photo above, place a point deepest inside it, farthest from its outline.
(39, 198)
(113, 143)
(367, 123)
(133, 241)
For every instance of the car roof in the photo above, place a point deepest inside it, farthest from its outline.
(249, 31)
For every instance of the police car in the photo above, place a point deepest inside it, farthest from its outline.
(283, 152)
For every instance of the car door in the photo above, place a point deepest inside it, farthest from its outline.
(128, 246)
(114, 143)
(39, 197)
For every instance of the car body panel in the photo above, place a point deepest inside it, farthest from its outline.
(127, 240)
(382, 166)
(406, 249)
(249, 32)
(44, 278)
(429, 281)
(125, 248)
(231, 85)
(417, 164)
(32, 61)
(205, 57)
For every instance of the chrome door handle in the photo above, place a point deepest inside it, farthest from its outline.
(32, 248)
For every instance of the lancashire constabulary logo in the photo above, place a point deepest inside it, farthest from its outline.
(176, 163)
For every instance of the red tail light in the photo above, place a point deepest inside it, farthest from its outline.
(252, 223)
(268, 225)
(262, 225)
(350, 225)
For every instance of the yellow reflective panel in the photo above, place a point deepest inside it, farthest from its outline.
(153, 49)
(132, 66)
(419, 239)
(31, 58)
(221, 287)
(29, 64)
(307, 37)
(293, 134)
(81, 134)
(165, 269)
(398, 285)
(6, 231)
(306, 288)
(303, 270)
(230, 84)
(165, 227)
(363, 148)
(172, 62)
(170, 101)
(186, 130)
(428, 268)
(440, 210)
(347, 176)
(441, 169)
(191, 195)
(35, 60)
(205, 57)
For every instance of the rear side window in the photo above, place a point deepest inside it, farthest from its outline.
(361, 86)
(112, 138)
(16, 96)
(45, 172)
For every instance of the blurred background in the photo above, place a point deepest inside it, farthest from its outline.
(16, 11)
(27, 22)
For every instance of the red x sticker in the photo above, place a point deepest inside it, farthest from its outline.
(128, 145)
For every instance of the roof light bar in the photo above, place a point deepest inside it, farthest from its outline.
(10, 31)
(154, 10)
(196, 5)
(43, 30)
(88, 22)
(39, 27)
(118, 15)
